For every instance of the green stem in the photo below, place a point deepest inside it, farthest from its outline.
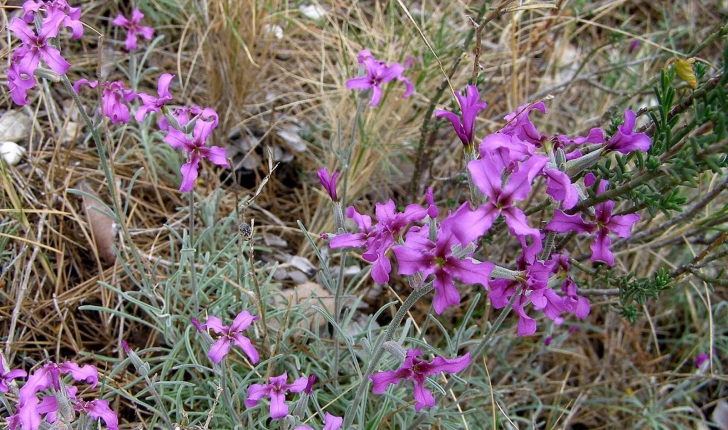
(226, 392)
(108, 173)
(339, 293)
(158, 399)
(378, 351)
(193, 258)
(474, 355)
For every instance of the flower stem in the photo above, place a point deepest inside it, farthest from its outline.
(378, 351)
(108, 173)
(474, 355)
(193, 258)
(344, 158)
(226, 391)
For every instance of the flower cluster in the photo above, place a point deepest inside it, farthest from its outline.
(37, 45)
(504, 171)
(58, 399)
(191, 126)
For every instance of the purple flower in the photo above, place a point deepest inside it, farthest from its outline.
(573, 303)
(231, 335)
(559, 186)
(183, 115)
(19, 82)
(71, 16)
(635, 45)
(380, 238)
(276, 390)
(48, 406)
(625, 140)
(419, 254)
(533, 285)
(604, 223)
(378, 73)
(505, 149)
(6, 377)
(29, 408)
(114, 98)
(133, 28)
(700, 359)
(487, 175)
(328, 181)
(418, 370)
(519, 124)
(464, 124)
(309, 385)
(596, 135)
(196, 324)
(48, 375)
(37, 47)
(154, 104)
(331, 422)
(99, 409)
(196, 149)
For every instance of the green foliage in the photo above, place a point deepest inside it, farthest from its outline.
(639, 290)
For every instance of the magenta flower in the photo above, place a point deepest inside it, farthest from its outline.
(71, 16)
(506, 150)
(328, 181)
(196, 150)
(95, 408)
(573, 303)
(418, 370)
(378, 73)
(604, 223)
(48, 375)
(559, 186)
(520, 125)
(276, 390)
(331, 422)
(487, 176)
(464, 124)
(19, 82)
(380, 238)
(114, 98)
(625, 140)
(596, 135)
(700, 359)
(37, 47)
(133, 28)
(419, 254)
(154, 104)
(30, 409)
(231, 335)
(533, 285)
(6, 377)
(309, 385)
(183, 115)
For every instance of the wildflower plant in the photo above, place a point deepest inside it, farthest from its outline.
(438, 308)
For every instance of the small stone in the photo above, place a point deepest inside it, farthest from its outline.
(313, 11)
(11, 152)
(14, 126)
